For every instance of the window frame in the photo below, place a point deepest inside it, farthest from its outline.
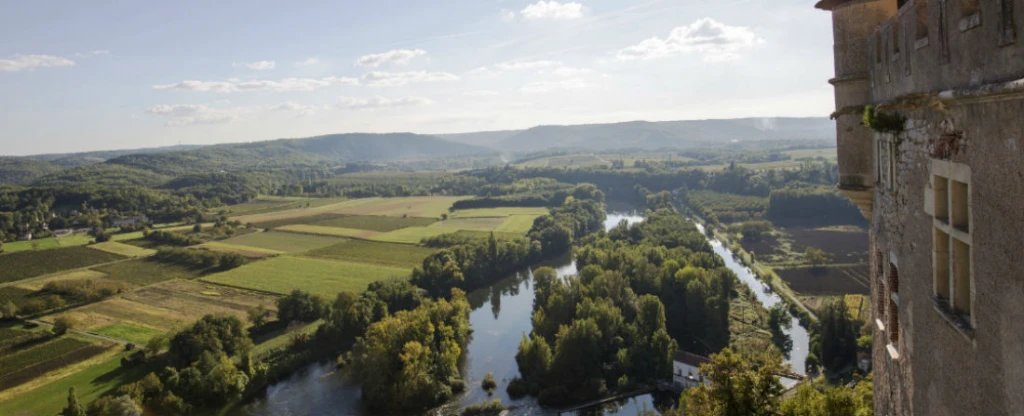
(953, 280)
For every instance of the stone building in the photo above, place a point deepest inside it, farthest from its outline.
(939, 172)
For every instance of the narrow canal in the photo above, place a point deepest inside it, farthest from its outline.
(500, 315)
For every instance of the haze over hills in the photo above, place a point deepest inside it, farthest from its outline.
(154, 165)
(650, 135)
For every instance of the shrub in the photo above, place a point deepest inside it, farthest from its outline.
(63, 324)
(488, 383)
(487, 407)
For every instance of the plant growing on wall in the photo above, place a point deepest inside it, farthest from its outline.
(883, 122)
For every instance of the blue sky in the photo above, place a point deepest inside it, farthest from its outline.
(78, 76)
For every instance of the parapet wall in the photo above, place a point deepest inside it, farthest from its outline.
(932, 46)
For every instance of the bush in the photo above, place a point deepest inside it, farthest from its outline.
(517, 388)
(487, 407)
(63, 324)
(488, 383)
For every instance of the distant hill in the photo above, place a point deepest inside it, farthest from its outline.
(103, 174)
(22, 171)
(651, 135)
(322, 150)
(85, 158)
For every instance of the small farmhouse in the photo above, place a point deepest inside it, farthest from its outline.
(686, 370)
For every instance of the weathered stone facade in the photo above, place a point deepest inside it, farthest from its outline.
(944, 193)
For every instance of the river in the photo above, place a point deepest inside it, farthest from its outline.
(500, 315)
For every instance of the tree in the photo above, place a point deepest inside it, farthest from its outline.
(301, 306)
(488, 383)
(737, 387)
(258, 315)
(74, 408)
(815, 256)
(63, 324)
(156, 344)
(836, 338)
(778, 321)
(212, 334)
(9, 310)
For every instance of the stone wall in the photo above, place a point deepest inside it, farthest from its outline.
(938, 369)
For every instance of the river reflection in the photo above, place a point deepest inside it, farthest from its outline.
(500, 315)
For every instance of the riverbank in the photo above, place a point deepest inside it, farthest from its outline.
(765, 273)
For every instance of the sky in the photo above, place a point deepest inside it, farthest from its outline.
(94, 75)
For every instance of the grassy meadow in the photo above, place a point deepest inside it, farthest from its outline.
(329, 231)
(362, 251)
(283, 274)
(126, 250)
(142, 272)
(281, 242)
(128, 332)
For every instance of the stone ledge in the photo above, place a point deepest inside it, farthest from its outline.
(954, 320)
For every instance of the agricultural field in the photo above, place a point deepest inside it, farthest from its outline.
(475, 223)
(519, 224)
(412, 235)
(828, 153)
(567, 161)
(264, 204)
(26, 264)
(246, 251)
(92, 378)
(417, 206)
(284, 274)
(281, 242)
(498, 212)
(362, 251)
(128, 332)
(167, 306)
(827, 280)
(143, 272)
(73, 240)
(126, 250)
(374, 222)
(25, 364)
(329, 231)
(37, 284)
(842, 244)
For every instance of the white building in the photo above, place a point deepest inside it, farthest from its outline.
(686, 370)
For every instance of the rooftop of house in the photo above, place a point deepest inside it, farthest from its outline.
(690, 358)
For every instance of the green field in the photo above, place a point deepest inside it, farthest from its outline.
(250, 252)
(519, 224)
(416, 206)
(36, 354)
(74, 240)
(144, 272)
(477, 223)
(128, 332)
(282, 242)
(126, 250)
(90, 384)
(411, 235)
(26, 264)
(498, 212)
(284, 274)
(362, 251)
(11, 330)
(374, 222)
(265, 204)
(329, 231)
(280, 338)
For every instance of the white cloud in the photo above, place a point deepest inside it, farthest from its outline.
(236, 85)
(568, 71)
(525, 65)
(308, 62)
(397, 56)
(397, 79)
(31, 62)
(480, 93)
(194, 114)
(97, 52)
(711, 40)
(350, 103)
(548, 86)
(256, 66)
(190, 114)
(553, 10)
(302, 109)
(508, 15)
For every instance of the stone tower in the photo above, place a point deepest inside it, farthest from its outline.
(940, 175)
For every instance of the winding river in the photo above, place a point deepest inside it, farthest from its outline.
(500, 316)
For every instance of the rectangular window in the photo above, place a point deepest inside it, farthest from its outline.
(969, 8)
(896, 39)
(921, 19)
(878, 48)
(962, 279)
(1007, 24)
(880, 285)
(940, 185)
(941, 265)
(893, 325)
(959, 205)
(952, 243)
